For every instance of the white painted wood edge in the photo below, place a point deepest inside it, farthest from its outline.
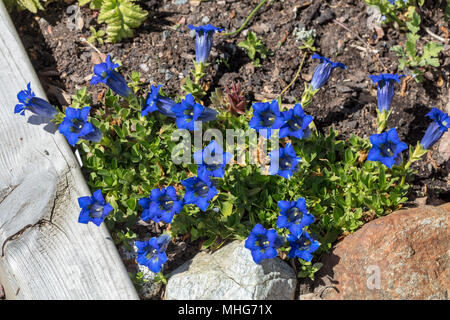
(44, 252)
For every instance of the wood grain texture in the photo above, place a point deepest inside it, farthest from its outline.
(44, 252)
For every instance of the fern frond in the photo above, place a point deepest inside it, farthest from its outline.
(31, 5)
(94, 4)
(121, 16)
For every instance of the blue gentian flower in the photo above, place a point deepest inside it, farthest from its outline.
(296, 123)
(161, 205)
(302, 246)
(104, 72)
(294, 216)
(211, 161)
(152, 253)
(323, 71)
(284, 162)
(263, 243)
(203, 41)
(440, 124)
(93, 208)
(75, 126)
(385, 91)
(188, 112)
(266, 118)
(198, 192)
(29, 101)
(386, 148)
(157, 102)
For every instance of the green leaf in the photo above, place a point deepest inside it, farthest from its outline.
(208, 242)
(227, 209)
(121, 16)
(83, 2)
(30, 5)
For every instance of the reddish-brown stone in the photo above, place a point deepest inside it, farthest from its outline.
(411, 250)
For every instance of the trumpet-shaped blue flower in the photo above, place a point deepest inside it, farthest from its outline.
(93, 208)
(323, 71)
(386, 148)
(161, 205)
(104, 72)
(29, 101)
(302, 246)
(296, 123)
(440, 124)
(385, 91)
(157, 102)
(198, 192)
(294, 216)
(284, 162)
(211, 161)
(75, 126)
(152, 253)
(188, 112)
(203, 41)
(263, 243)
(266, 118)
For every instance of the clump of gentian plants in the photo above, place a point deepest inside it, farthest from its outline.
(292, 201)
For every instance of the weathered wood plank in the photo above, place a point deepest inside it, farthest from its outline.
(44, 252)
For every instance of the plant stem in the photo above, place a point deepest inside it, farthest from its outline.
(246, 20)
(296, 75)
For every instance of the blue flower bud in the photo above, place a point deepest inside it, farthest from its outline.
(203, 41)
(385, 91)
(28, 101)
(436, 129)
(104, 72)
(323, 71)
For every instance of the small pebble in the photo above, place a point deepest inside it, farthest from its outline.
(168, 75)
(205, 19)
(166, 34)
(144, 67)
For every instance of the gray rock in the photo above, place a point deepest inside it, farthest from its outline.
(180, 2)
(150, 289)
(231, 274)
(168, 75)
(205, 20)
